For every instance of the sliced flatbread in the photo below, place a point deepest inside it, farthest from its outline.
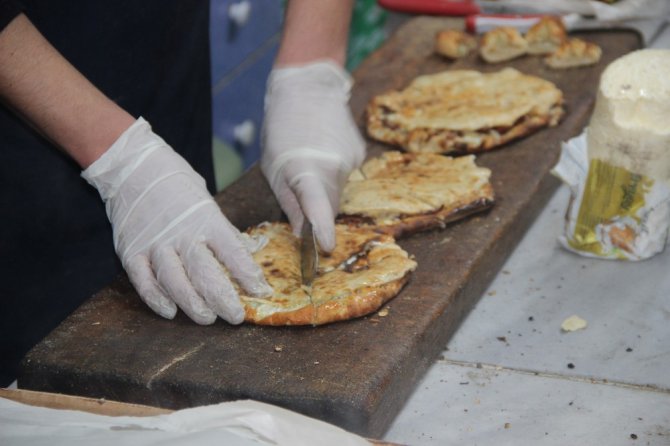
(546, 35)
(502, 44)
(403, 193)
(454, 44)
(365, 270)
(574, 53)
(464, 111)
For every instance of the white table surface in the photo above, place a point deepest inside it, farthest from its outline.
(510, 376)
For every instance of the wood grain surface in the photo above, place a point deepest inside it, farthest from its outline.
(356, 374)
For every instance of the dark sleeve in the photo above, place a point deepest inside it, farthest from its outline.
(8, 10)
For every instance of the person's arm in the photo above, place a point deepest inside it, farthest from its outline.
(310, 140)
(169, 233)
(37, 82)
(315, 30)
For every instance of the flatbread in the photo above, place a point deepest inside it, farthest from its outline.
(574, 53)
(454, 44)
(502, 44)
(403, 193)
(464, 111)
(546, 35)
(365, 270)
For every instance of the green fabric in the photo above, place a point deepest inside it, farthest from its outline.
(228, 164)
(367, 31)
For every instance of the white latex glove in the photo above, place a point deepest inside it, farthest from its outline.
(310, 143)
(169, 233)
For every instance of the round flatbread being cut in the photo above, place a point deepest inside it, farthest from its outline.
(464, 111)
(365, 270)
(402, 193)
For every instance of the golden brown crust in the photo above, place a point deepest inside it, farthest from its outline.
(439, 219)
(464, 111)
(404, 193)
(301, 316)
(407, 225)
(574, 53)
(362, 302)
(366, 269)
(501, 44)
(546, 35)
(454, 44)
(447, 142)
(281, 267)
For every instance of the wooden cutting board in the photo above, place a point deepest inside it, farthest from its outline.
(355, 374)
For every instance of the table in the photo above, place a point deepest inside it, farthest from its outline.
(510, 376)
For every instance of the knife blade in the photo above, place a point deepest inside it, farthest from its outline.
(309, 256)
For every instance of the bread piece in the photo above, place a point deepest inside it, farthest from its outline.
(464, 111)
(404, 193)
(365, 270)
(501, 44)
(454, 44)
(574, 53)
(546, 35)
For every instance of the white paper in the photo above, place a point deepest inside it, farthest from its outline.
(619, 11)
(239, 423)
(630, 9)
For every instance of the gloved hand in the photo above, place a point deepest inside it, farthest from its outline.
(169, 233)
(310, 143)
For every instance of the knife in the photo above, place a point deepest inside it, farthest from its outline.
(309, 257)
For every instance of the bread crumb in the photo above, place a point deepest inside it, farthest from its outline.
(573, 323)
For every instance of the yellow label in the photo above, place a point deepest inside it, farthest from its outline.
(611, 194)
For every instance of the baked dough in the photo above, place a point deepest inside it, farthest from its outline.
(501, 44)
(454, 44)
(546, 35)
(464, 111)
(365, 270)
(403, 193)
(574, 53)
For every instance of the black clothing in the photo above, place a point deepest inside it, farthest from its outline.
(8, 10)
(152, 58)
